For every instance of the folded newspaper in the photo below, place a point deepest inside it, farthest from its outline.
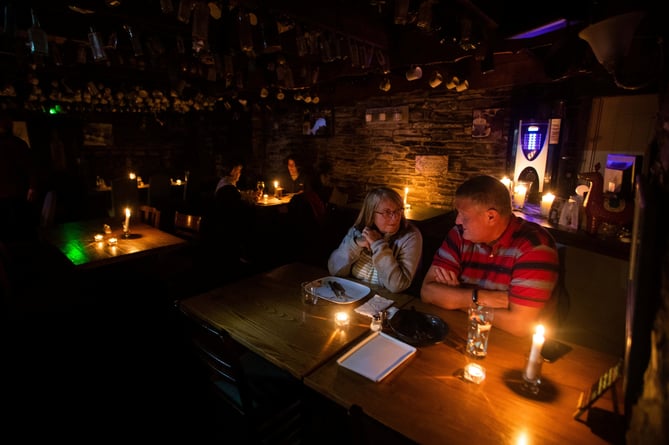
(374, 305)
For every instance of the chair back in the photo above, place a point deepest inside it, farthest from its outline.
(124, 193)
(267, 398)
(187, 225)
(149, 215)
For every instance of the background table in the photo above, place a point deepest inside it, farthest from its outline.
(76, 241)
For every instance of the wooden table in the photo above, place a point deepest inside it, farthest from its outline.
(76, 241)
(265, 313)
(427, 400)
(272, 201)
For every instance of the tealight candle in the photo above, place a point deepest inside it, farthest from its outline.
(132, 176)
(178, 181)
(341, 320)
(474, 373)
(112, 241)
(265, 197)
(546, 203)
(612, 186)
(98, 237)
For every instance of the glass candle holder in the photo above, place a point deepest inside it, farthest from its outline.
(112, 241)
(474, 372)
(341, 320)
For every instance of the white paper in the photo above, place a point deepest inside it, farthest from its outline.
(374, 305)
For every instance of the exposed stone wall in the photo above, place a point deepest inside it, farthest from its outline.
(439, 124)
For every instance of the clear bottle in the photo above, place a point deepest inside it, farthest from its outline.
(39, 44)
(95, 39)
(377, 323)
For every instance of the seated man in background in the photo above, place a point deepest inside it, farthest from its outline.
(493, 258)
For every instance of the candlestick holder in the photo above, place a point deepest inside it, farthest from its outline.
(532, 376)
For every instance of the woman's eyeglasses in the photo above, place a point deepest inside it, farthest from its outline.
(389, 214)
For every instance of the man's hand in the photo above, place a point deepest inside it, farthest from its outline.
(447, 277)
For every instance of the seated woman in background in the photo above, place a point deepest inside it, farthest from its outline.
(382, 247)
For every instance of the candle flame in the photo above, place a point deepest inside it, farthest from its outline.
(127, 212)
(540, 330)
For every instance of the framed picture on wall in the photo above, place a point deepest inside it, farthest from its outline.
(318, 122)
(97, 134)
(486, 122)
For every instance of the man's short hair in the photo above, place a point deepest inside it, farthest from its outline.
(487, 191)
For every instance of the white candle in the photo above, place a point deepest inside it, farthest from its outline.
(519, 194)
(507, 182)
(406, 195)
(534, 362)
(126, 226)
(612, 187)
(546, 203)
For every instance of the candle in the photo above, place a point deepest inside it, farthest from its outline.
(126, 226)
(474, 373)
(519, 194)
(178, 181)
(612, 186)
(99, 237)
(341, 320)
(265, 197)
(406, 195)
(546, 203)
(534, 362)
(112, 241)
(507, 182)
(276, 185)
(132, 175)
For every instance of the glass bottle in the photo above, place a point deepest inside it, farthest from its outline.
(95, 39)
(39, 44)
(377, 322)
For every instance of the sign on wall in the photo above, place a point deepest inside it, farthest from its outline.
(436, 165)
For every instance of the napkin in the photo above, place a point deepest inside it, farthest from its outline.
(374, 305)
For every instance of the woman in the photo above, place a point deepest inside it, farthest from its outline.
(382, 247)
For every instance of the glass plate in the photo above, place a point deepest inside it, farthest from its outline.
(353, 291)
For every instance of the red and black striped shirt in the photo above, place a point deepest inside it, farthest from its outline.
(523, 262)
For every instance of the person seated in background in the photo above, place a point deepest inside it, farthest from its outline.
(493, 258)
(382, 247)
(227, 226)
(296, 179)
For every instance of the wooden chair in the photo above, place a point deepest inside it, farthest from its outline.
(267, 399)
(149, 215)
(187, 226)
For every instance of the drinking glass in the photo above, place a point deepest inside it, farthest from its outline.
(260, 188)
(478, 330)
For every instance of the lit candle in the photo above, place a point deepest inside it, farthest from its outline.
(132, 175)
(507, 182)
(112, 241)
(265, 197)
(178, 181)
(99, 237)
(276, 185)
(126, 226)
(406, 195)
(474, 373)
(341, 320)
(546, 203)
(519, 194)
(534, 362)
(612, 186)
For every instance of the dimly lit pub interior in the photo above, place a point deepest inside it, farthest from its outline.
(356, 221)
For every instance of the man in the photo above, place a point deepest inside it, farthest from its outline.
(493, 258)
